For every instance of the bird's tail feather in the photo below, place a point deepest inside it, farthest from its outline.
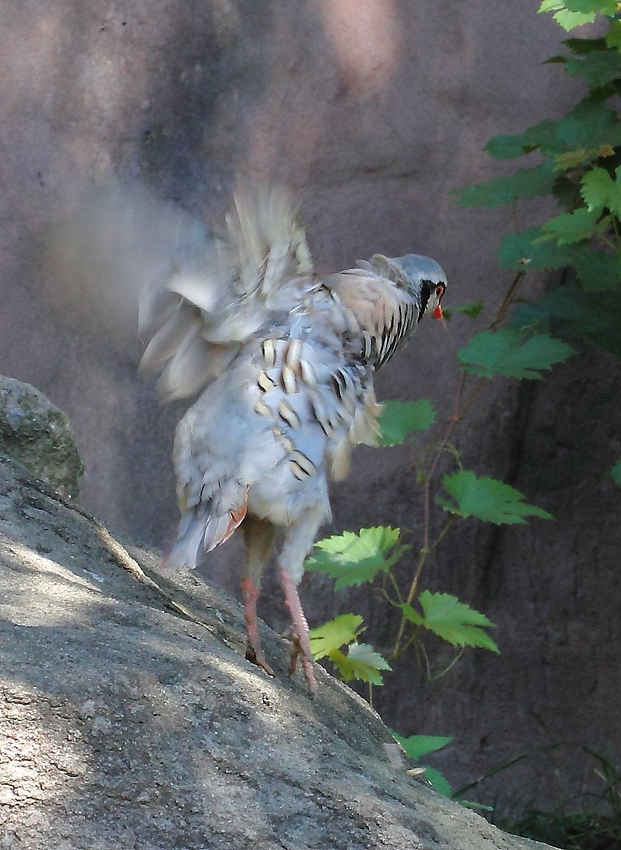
(201, 531)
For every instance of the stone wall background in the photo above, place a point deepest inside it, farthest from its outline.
(375, 111)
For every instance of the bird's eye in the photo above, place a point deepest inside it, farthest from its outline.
(440, 290)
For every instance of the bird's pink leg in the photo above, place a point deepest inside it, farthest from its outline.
(301, 640)
(254, 651)
(259, 536)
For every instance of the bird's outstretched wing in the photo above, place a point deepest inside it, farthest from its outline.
(198, 296)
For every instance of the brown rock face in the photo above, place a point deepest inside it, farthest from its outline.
(375, 110)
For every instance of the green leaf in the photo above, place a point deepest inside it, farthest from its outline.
(541, 135)
(352, 559)
(525, 250)
(600, 190)
(486, 498)
(598, 68)
(438, 781)
(455, 622)
(525, 183)
(361, 662)
(575, 13)
(334, 634)
(473, 309)
(572, 227)
(420, 745)
(598, 271)
(597, 185)
(399, 419)
(411, 614)
(615, 473)
(506, 352)
(568, 20)
(613, 36)
(604, 7)
(569, 312)
(508, 147)
(585, 45)
(590, 125)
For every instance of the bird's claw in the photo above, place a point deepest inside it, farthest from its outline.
(297, 651)
(257, 657)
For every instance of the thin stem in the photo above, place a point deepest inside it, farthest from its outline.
(439, 675)
(383, 592)
(421, 649)
(422, 557)
(508, 299)
(442, 534)
(471, 399)
(396, 588)
(460, 412)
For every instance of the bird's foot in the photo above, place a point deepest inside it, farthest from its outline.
(299, 631)
(255, 655)
(297, 651)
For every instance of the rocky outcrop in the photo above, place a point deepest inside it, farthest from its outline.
(34, 432)
(129, 717)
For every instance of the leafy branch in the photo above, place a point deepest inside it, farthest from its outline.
(352, 559)
(579, 165)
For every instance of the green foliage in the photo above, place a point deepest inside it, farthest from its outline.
(572, 227)
(360, 661)
(579, 166)
(352, 559)
(451, 620)
(569, 311)
(600, 189)
(525, 183)
(541, 135)
(574, 13)
(506, 352)
(336, 633)
(583, 153)
(473, 309)
(400, 419)
(528, 250)
(417, 746)
(598, 67)
(597, 271)
(487, 499)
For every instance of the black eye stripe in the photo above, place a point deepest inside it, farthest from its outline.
(425, 295)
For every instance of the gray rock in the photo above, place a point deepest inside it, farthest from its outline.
(129, 717)
(39, 435)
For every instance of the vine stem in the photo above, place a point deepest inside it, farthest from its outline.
(508, 299)
(422, 557)
(459, 413)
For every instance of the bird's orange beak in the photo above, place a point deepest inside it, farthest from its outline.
(437, 313)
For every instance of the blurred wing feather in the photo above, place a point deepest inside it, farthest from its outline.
(198, 297)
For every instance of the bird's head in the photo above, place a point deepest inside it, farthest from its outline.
(418, 275)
